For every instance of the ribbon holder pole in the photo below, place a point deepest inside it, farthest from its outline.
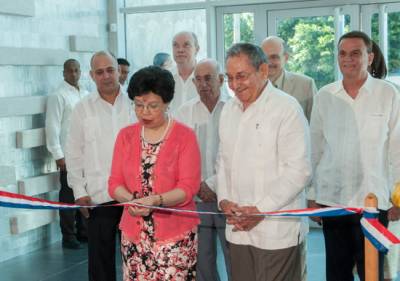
(371, 253)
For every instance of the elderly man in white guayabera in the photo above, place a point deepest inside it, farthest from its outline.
(263, 165)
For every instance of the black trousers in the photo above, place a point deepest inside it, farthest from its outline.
(102, 234)
(72, 222)
(344, 247)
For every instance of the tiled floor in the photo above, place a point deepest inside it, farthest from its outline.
(56, 264)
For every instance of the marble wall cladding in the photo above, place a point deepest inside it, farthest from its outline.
(50, 27)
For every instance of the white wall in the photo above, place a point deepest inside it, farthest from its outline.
(50, 27)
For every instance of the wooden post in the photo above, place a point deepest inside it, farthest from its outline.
(371, 253)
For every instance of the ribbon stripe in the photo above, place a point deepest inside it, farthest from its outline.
(379, 236)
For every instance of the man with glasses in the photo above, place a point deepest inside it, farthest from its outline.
(202, 114)
(95, 123)
(298, 86)
(263, 165)
(185, 47)
(355, 137)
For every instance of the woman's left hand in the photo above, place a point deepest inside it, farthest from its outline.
(143, 211)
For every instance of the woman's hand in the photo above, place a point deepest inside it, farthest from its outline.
(152, 200)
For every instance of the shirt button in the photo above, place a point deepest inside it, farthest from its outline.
(138, 222)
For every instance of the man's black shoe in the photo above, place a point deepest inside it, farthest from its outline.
(82, 239)
(71, 244)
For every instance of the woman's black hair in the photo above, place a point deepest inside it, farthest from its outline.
(152, 79)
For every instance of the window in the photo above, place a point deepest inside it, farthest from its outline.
(311, 46)
(150, 33)
(238, 27)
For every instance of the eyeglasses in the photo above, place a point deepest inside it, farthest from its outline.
(152, 107)
(240, 77)
(274, 57)
(207, 79)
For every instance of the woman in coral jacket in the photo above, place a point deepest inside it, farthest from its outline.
(156, 162)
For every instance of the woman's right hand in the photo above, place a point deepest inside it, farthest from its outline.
(152, 200)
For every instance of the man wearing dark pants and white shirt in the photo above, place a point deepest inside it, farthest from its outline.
(202, 114)
(95, 123)
(355, 144)
(58, 115)
(263, 164)
(299, 86)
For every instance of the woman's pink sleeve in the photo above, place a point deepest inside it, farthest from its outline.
(189, 167)
(116, 176)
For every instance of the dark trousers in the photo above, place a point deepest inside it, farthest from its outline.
(208, 230)
(102, 231)
(72, 222)
(344, 247)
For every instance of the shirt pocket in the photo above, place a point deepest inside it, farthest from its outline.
(376, 128)
(91, 159)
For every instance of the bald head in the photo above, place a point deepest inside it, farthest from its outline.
(103, 54)
(185, 47)
(208, 80)
(104, 72)
(274, 48)
(210, 64)
(274, 40)
(188, 34)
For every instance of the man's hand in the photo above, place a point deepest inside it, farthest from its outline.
(206, 194)
(231, 211)
(84, 201)
(313, 204)
(152, 200)
(248, 220)
(393, 214)
(61, 164)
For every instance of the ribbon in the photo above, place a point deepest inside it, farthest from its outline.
(375, 232)
(379, 236)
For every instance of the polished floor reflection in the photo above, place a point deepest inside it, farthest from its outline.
(56, 264)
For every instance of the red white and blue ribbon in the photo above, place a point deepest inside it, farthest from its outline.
(376, 233)
(379, 236)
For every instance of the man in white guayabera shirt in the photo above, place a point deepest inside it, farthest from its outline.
(355, 141)
(58, 114)
(185, 47)
(95, 123)
(202, 113)
(263, 165)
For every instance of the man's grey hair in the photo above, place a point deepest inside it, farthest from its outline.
(215, 64)
(278, 40)
(194, 36)
(103, 53)
(253, 52)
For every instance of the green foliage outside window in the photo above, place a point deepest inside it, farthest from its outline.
(311, 42)
(246, 29)
(311, 46)
(393, 37)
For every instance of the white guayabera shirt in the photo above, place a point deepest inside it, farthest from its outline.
(205, 124)
(355, 144)
(184, 91)
(58, 115)
(264, 161)
(95, 124)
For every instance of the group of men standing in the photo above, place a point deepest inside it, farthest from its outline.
(257, 154)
